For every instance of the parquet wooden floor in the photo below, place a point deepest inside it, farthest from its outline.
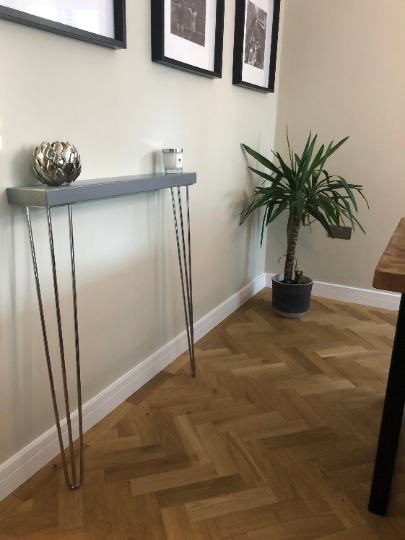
(274, 440)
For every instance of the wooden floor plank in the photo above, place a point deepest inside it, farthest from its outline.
(200, 491)
(218, 506)
(177, 524)
(261, 517)
(302, 529)
(171, 479)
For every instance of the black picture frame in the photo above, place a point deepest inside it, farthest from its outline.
(158, 41)
(240, 10)
(119, 42)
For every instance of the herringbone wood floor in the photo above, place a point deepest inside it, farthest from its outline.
(274, 440)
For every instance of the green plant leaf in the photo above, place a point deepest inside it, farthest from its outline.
(262, 174)
(318, 160)
(319, 217)
(261, 159)
(306, 157)
(349, 213)
(280, 209)
(326, 156)
(290, 151)
(338, 145)
(329, 209)
(359, 224)
(348, 191)
(307, 144)
(314, 165)
(361, 194)
(263, 226)
(288, 173)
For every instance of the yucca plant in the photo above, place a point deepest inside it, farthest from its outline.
(305, 190)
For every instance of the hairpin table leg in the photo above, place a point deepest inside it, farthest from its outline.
(185, 274)
(77, 344)
(74, 483)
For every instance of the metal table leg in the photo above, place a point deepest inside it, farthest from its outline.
(74, 483)
(391, 421)
(185, 269)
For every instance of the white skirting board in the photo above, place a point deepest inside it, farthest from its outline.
(366, 297)
(33, 457)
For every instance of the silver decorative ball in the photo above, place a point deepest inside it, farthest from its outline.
(57, 163)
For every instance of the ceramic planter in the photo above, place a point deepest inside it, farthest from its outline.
(291, 300)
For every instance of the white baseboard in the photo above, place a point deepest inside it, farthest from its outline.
(33, 457)
(366, 297)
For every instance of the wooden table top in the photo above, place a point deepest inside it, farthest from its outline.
(390, 272)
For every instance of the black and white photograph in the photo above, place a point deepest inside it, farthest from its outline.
(100, 22)
(255, 39)
(188, 35)
(188, 19)
(255, 44)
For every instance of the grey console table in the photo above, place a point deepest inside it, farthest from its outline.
(92, 190)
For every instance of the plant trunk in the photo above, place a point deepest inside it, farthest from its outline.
(289, 262)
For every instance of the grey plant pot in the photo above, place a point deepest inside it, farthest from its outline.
(290, 300)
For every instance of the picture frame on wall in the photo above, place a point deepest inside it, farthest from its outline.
(255, 44)
(100, 22)
(188, 35)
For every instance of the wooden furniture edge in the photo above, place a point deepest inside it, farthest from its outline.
(389, 274)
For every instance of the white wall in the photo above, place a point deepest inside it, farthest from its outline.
(118, 108)
(342, 72)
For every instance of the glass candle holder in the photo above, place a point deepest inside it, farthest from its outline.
(173, 160)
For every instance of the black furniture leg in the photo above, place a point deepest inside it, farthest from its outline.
(391, 422)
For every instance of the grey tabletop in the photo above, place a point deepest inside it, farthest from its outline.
(93, 190)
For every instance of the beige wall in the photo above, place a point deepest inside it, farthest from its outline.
(118, 108)
(342, 72)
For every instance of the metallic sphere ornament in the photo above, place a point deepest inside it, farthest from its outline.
(57, 163)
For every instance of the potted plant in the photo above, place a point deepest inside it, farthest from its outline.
(303, 188)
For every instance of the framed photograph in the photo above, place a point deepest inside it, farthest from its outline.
(101, 22)
(255, 44)
(188, 35)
